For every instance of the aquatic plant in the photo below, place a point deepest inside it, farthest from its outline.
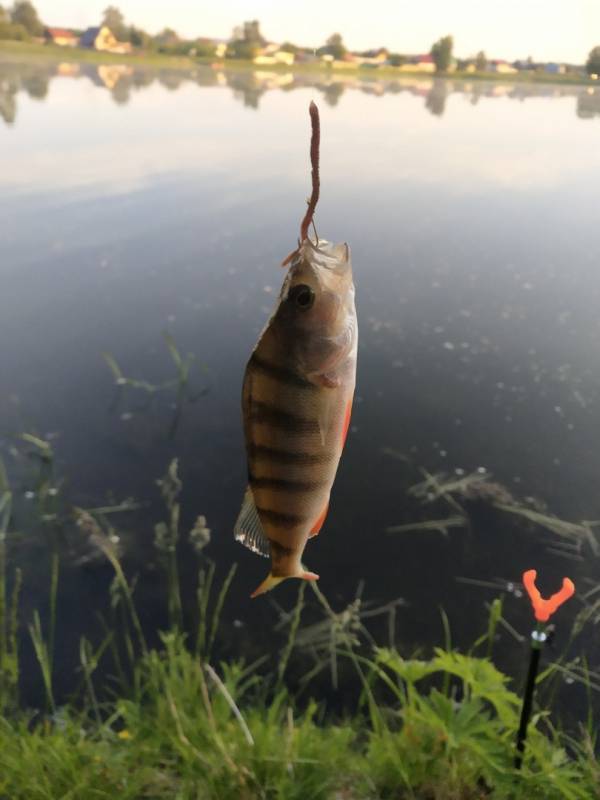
(180, 383)
(9, 653)
(480, 487)
(172, 722)
(182, 365)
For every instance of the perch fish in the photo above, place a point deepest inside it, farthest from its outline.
(296, 401)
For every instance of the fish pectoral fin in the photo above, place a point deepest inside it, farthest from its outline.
(325, 420)
(248, 528)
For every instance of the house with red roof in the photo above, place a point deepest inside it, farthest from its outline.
(61, 36)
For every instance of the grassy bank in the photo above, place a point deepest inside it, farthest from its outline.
(10, 50)
(171, 721)
(40, 52)
(188, 730)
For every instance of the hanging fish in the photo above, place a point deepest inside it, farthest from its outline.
(297, 400)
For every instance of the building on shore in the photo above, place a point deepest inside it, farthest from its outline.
(271, 54)
(62, 37)
(555, 69)
(501, 66)
(374, 58)
(421, 63)
(102, 38)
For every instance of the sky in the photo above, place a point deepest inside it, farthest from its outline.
(547, 30)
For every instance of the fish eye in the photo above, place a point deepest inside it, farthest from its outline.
(302, 296)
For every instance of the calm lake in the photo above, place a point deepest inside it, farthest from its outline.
(134, 203)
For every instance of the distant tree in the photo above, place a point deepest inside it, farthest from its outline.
(592, 65)
(480, 61)
(204, 48)
(24, 13)
(139, 38)
(333, 47)
(288, 47)
(243, 49)
(246, 41)
(4, 16)
(15, 32)
(396, 59)
(441, 52)
(114, 19)
(252, 33)
(167, 39)
(336, 46)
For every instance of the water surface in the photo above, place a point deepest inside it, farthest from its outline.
(137, 202)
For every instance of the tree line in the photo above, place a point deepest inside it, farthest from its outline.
(21, 22)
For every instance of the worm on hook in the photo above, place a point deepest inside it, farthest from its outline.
(315, 141)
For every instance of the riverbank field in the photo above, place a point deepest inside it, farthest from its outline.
(47, 52)
(172, 720)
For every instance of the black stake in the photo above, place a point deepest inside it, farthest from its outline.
(538, 637)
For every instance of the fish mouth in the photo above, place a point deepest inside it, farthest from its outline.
(326, 255)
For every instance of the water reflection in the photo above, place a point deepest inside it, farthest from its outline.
(436, 98)
(123, 81)
(32, 79)
(588, 104)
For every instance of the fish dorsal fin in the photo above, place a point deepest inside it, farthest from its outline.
(249, 530)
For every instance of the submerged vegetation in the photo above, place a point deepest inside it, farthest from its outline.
(172, 719)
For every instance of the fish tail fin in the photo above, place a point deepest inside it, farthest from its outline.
(271, 581)
(309, 576)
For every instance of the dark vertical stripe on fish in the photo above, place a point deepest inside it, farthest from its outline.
(285, 484)
(276, 455)
(271, 415)
(277, 373)
(280, 518)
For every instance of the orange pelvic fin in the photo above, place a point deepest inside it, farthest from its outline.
(347, 417)
(271, 581)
